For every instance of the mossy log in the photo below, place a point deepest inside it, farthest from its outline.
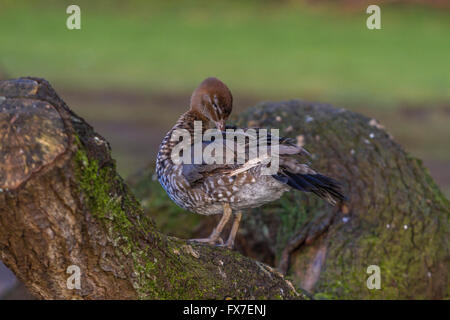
(63, 204)
(396, 217)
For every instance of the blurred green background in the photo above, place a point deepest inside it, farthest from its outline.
(131, 68)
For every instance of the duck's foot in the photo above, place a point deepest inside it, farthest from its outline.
(214, 238)
(228, 245)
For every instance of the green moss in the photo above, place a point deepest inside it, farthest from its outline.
(95, 183)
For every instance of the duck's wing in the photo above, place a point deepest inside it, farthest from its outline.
(265, 138)
(239, 164)
(207, 162)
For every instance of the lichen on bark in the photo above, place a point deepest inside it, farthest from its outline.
(76, 210)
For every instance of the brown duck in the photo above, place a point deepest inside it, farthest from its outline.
(239, 181)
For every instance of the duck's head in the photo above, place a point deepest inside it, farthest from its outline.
(213, 101)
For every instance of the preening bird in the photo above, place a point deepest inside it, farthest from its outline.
(239, 178)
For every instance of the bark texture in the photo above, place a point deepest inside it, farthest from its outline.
(62, 204)
(396, 218)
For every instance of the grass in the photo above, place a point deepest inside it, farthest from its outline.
(281, 51)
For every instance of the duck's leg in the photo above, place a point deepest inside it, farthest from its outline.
(237, 220)
(215, 234)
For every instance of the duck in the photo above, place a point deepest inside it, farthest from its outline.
(238, 179)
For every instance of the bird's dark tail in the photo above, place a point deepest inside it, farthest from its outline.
(325, 187)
